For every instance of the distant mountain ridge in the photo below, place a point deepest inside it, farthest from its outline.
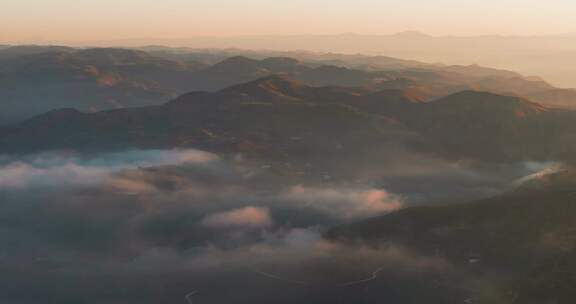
(542, 55)
(108, 78)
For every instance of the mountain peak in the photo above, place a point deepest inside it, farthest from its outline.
(273, 86)
(248, 65)
(236, 63)
(490, 104)
(112, 55)
(471, 96)
(280, 63)
(280, 60)
(57, 115)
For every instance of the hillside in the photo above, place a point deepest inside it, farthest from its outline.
(273, 114)
(525, 237)
(278, 114)
(37, 79)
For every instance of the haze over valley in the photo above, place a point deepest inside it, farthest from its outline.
(238, 160)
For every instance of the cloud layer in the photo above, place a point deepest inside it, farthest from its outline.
(56, 169)
(152, 226)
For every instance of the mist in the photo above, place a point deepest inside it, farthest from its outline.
(180, 226)
(540, 56)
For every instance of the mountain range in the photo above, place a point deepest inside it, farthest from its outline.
(37, 79)
(278, 116)
(543, 55)
(313, 128)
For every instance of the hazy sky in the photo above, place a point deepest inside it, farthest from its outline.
(29, 20)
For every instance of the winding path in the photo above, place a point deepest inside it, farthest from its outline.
(278, 278)
(373, 276)
(189, 295)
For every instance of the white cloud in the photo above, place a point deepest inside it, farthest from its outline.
(538, 171)
(21, 175)
(63, 169)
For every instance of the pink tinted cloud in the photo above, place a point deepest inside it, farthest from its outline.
(247, 217)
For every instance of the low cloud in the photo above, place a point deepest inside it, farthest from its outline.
(194, 222)
(247, 217)
(21, 175)
(345, 203)
(538, 171)
(57, 169)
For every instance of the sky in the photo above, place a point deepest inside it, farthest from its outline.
(85, 20)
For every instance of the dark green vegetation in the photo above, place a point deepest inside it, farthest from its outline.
(524, 241)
